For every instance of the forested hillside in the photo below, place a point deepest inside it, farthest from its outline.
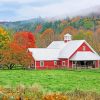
(48, 30)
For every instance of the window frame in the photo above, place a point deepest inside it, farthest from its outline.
(63, 63)
(41, 63)
(55, 62)
(84, 48)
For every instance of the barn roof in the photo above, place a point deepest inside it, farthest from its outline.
(58, 49)
(85, 56)
(44, 53)
(57, 45)
(67, 34)
(70, 48)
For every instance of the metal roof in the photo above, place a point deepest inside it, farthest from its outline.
(56, 45)
(44, 53)
(67, 34)
(60, 49)
(85, 56)
(70, 48)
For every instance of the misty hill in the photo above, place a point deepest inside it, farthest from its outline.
(86, 20)
(23, 25)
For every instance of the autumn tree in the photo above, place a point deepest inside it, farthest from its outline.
(25, 39)
(38, 29)
(68, 29)
(4, 37)
(90, 37)
(14, 55)
(15, 51)
(47, 37)
(97, 38)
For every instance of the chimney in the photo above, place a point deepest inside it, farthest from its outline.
(67, 37)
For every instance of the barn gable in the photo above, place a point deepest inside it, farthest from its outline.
(70, 48)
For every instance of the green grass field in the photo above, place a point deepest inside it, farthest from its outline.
(53, 80)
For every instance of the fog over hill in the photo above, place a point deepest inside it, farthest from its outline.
(30, 24)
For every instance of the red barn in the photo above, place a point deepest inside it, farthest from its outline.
(65, 54)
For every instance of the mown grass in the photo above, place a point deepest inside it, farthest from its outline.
(53, 80)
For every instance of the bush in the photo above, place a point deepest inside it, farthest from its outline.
(36, 92)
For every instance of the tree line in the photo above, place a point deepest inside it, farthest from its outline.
(14, 45)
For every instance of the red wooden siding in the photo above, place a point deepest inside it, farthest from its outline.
(66, 63)
(97, 65)
(47, 65)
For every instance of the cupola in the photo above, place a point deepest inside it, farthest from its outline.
(67, 37)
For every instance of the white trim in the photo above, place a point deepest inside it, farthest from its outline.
(84, 48)
(91, 48)
(55, 62)
(35, 64)
(68, 63)
(41, 62)
(88, 46)
(63, 63)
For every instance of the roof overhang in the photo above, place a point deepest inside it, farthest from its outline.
(45, 54)
(85, 56)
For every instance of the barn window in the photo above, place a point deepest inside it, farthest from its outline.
(41, 63)
(63, 63)
(84, 48)
(55, 62)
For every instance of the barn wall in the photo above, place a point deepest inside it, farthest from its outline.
(70, 64)
(47, 65)
(66, 63)
(97, 65)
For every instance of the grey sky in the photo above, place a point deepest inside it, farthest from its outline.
(12, 10)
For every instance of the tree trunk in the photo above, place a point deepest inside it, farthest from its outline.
(10, 66)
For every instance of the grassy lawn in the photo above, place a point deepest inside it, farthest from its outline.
(53, 80)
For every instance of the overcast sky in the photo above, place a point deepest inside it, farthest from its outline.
(12, 10)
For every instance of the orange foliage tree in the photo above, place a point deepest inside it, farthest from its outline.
(68, 29)
(13, 55)
(47, 37)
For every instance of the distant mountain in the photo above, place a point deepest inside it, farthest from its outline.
(30, 25)
(23, 25)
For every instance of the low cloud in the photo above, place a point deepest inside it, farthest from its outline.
(25, 9)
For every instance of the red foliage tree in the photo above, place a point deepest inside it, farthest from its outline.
(25, 39)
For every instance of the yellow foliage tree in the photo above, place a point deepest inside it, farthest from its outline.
(4, 37)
